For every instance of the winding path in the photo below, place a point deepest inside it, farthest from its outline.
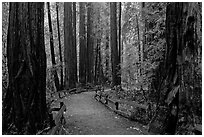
(86, 116)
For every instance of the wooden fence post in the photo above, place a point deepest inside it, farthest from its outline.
(52, 122)
(116, 105)
(106, 99)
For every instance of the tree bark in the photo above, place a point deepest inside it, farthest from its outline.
(139, 46)
(70, 55)
(90, 43)
(25, 102)
(107, 56)
(74, 40)
(180, 35)
(144, 28)
(82, 44)
(96, 63)
(114, 47)
(60, 47)
(56, 79)
(119, 45)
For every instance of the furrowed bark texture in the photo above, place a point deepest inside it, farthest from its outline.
(70, 55)
(25, 102)
(114, 45)
(60, 46)
(82, 44)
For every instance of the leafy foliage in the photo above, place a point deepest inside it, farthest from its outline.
(152, 30)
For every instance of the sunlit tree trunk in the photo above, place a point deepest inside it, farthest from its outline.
(56, 79)
(60, 47)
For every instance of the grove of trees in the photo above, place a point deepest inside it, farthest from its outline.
(147, 52)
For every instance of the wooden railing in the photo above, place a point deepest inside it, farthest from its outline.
(59, 119)
(103, 98)
(60, 94)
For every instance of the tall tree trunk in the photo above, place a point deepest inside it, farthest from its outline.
(96, 64)
(60, 47)
(56, 79)
(181, 18)
(181, 43)
(114, 47)
(82, 44)
(101, 75)
(74, 40)
(25, 102)
(119, 45)
(107, 58)
(139, 46)
(70, 55)
(89, 43)
(98, 67)
(144, 29)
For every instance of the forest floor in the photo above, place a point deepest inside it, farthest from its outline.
(86, 116)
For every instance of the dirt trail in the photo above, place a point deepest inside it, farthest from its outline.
(86, 116)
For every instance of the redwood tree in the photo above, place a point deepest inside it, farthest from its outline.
(60, 47)
(25, 102)
(69, 51)
(74, 39)
(56, 79)
(119, 43)
(114, 45)
(182, 46)
(82, 44)
(90, 43)
(181, 43)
